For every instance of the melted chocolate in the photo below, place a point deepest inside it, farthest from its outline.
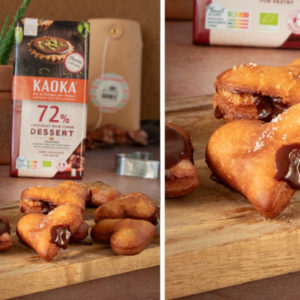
(4, 226)
(50, 45)
(268, 107)
(175, 147)
(46, 207)
(288, 165)
(218, 113)
(60, 235)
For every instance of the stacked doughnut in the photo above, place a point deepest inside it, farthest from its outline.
(53, 217)
(257, 152)
(127, 223)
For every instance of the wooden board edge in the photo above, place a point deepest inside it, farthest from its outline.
(61, 276)
(199, 271)
(204, 102)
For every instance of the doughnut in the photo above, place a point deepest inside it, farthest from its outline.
(5, 237)
(81, 233)
(99, 193)
(180, 172)
(46, 234)
(45, 199)
(259, 160)
(256, 92)
(132, 206)
(126, 236)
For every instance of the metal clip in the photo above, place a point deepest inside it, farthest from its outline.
(140, 164)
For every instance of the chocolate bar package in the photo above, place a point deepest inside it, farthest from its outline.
(49, 98)
(256, 23)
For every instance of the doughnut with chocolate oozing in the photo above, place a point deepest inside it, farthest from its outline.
(5, 237)
(100, 193)
(126, 236)
(133, 206)
(81, 233)
(259, 160)
(46, 234)
(288, 165)
(45, 199)
(256, 92)
(180, 173)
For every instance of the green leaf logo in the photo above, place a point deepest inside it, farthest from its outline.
(268, 19)
(84, 29)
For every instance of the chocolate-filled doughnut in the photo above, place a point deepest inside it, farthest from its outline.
(180, 173)
(259, 160)
(45, 199)
(255, 92)
(46, 234)
(100, 193)
(5, 237)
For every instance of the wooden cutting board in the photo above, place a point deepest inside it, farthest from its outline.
(23, 272)
(214, 237)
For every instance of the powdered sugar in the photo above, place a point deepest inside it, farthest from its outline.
(260, 143)
(276, 119)
(251, 64)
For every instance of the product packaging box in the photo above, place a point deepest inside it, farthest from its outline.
(49, 98)
(257, 23)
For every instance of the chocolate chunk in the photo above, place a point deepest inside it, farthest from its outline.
(176, 148)
(60, 235)
(218, 113)
(46, 207)
(288, 165)
(268, 107)
(4, 226)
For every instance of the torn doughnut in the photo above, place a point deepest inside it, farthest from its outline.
(256, 92)
(5, 237)
(46, 234)
(45, 199)
(181, 176)
(126, 236)
(100, 193)
(259, 160)
(132, 206)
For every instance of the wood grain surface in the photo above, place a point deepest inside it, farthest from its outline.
(214, 237)
(22, 272)
(23, 269)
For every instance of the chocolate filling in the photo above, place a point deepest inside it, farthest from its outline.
(176, 148)
(46, 207)
(60, 235)
(288, 165)
(268, 107)
(50, 45)
(218, 113)
(4, 226)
